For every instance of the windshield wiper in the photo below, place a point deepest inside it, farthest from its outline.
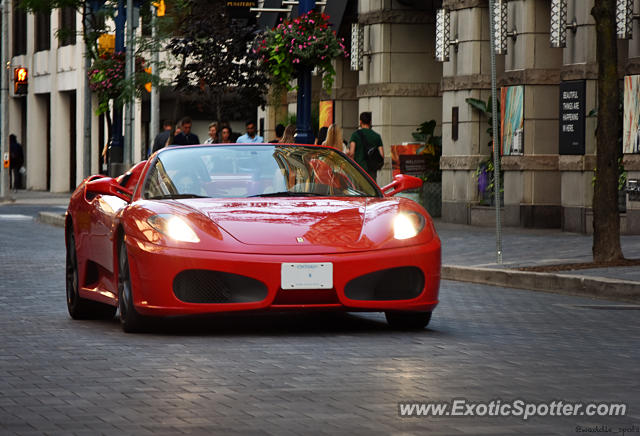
(289, 194)
(176, 196)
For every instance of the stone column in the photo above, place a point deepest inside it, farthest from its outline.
(343, 94)
(576, 172)
(400, 81)
(532, 181)
(466, 75)
(60, 121)
(36, 152)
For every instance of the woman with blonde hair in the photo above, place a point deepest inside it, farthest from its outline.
(288, 135)
(334, 137)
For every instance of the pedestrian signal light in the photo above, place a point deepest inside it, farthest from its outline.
(21, 80)
(147, 85)
(160, 8)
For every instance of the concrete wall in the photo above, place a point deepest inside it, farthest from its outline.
(56, 75)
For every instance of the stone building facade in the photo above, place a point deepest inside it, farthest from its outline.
(403, 85)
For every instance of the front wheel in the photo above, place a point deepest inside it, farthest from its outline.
(131, 320)
(408, 320)
(81, 308)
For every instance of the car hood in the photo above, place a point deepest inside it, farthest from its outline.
(357, 223)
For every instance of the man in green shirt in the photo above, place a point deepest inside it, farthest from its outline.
(358, 148)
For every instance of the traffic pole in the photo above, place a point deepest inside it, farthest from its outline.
(4, 104)
(116, 147)
(496, 142)
(154, 127)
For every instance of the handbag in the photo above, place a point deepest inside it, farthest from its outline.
(374, 160)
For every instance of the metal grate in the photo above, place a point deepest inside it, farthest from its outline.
(203, 286)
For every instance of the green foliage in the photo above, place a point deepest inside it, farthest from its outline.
(292, 119)
(487, 110)
(432, 149)
(622, 175)
(107, 80)
(306, 41)
(219, 72)
(486, 167)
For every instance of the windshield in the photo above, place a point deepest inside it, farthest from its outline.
(255, 171)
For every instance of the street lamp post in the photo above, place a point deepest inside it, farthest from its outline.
(304, 134)
(116, 147)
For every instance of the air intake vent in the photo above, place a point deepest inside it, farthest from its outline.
(203, 286)
(402, 283)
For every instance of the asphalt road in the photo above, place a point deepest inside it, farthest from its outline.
(300, 374)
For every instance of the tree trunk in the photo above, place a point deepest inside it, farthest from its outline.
(606, 220)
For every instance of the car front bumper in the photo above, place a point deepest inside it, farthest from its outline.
(154, 269)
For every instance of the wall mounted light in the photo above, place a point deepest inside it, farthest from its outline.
(624, 19)
(558, 31)
(443, 26)
(357, 47)
(499, 26)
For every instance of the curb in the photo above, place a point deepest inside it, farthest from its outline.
(566, 284)
(51, 218)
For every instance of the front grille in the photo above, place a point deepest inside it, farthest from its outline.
(403, 283)
(203, 286)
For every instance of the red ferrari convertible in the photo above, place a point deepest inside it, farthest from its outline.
(204, 229)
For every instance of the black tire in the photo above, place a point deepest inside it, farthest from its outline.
(131, 320)
(81, 308)
(408, 320)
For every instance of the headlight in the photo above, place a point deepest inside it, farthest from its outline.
(174, 227)
(407, 225)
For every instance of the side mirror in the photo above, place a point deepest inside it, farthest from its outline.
(107, 186)
(401, 182)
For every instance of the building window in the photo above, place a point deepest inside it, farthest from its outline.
(19, 29)
(43, 31)
(67, 26)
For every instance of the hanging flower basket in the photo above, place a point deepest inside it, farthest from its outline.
(307, 41)
(107, 80)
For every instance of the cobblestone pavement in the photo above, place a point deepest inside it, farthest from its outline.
(299, 374)
(476, 246)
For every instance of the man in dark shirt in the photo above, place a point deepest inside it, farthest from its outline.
(279, 133)
(162, 138)
(363, 138)
(186, 137)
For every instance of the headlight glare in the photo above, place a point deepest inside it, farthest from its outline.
(173, 227)
(407, 225)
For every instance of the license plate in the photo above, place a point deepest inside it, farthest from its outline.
(307, 275)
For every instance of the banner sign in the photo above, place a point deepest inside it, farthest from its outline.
(572, 117)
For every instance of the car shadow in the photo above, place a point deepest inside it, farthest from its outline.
(273, 324)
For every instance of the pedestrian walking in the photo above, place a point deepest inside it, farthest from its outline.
(322, 136)
(16, 161)
(279, 133)
(162, 139)
(334, 137)
(251, 136)
(226, 134)
(288, 137)
(363, 140)
(185, 137)
(213, 133)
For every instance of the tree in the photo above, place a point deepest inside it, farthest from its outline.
(606, 219)
(217, 63)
